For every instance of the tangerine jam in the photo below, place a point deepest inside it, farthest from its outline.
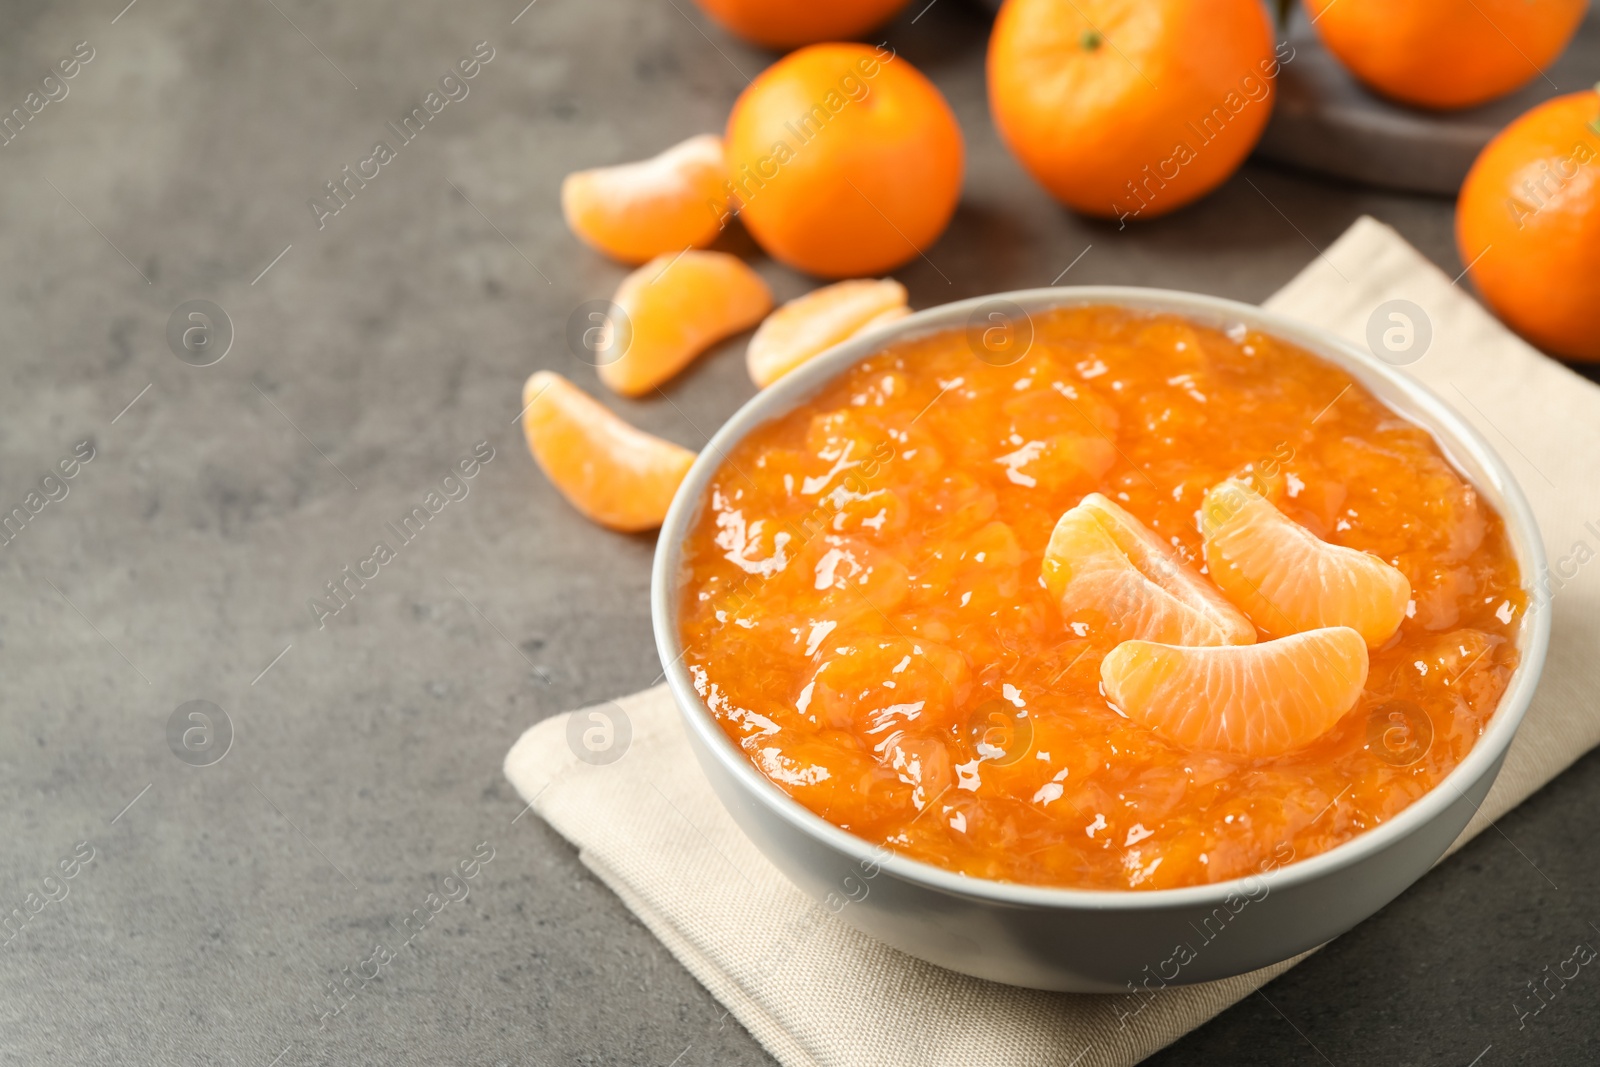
(862, 608)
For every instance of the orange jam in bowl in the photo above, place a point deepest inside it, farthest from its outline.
(865, 611)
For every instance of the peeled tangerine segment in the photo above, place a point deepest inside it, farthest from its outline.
(894, 314)
(1103, 562)
(815, 322)
(675, 307)
(1286, 578)
(1243, 700)
(636, 211)
(614, 474)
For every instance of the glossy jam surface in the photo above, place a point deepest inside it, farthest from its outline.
(862, 608)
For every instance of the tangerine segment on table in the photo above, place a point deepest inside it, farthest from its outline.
(865, 597)
(1105, 565)
(1289, 580)
(616, 475)
(1256, 700)
(674, 308)
(810, 324)
(1446, 53)
(637, 211)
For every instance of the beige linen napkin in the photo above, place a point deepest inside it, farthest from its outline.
(816, 992)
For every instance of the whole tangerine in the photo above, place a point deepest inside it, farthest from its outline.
(1131, 108)
(1528, 225)
(844, 159)
(791, 23)
(1446, 53)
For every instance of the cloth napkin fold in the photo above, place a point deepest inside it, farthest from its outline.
(817, 993)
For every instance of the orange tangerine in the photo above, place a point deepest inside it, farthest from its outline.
(669, 202)
(1131, 108)
(616, 475)
(817, 321)
(1446, 53)
(1289, 580)
(1528, 223)
(678, 306)
(790, 23)
(845, 159)
(1111, 573)
(1245, 700)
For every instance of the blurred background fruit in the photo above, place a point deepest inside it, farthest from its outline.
(791, 23)
(637, 211)
(1131, 107)
(1528, 225)
(1446, 53)
(845, 160)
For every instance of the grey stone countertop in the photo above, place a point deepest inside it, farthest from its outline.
(212, 906)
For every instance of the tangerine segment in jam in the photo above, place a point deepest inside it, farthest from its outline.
(863, 609)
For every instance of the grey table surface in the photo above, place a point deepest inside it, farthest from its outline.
(370, 355)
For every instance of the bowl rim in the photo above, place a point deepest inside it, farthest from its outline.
(1451, 432)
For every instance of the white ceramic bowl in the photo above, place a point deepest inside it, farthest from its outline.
(1103, 940)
